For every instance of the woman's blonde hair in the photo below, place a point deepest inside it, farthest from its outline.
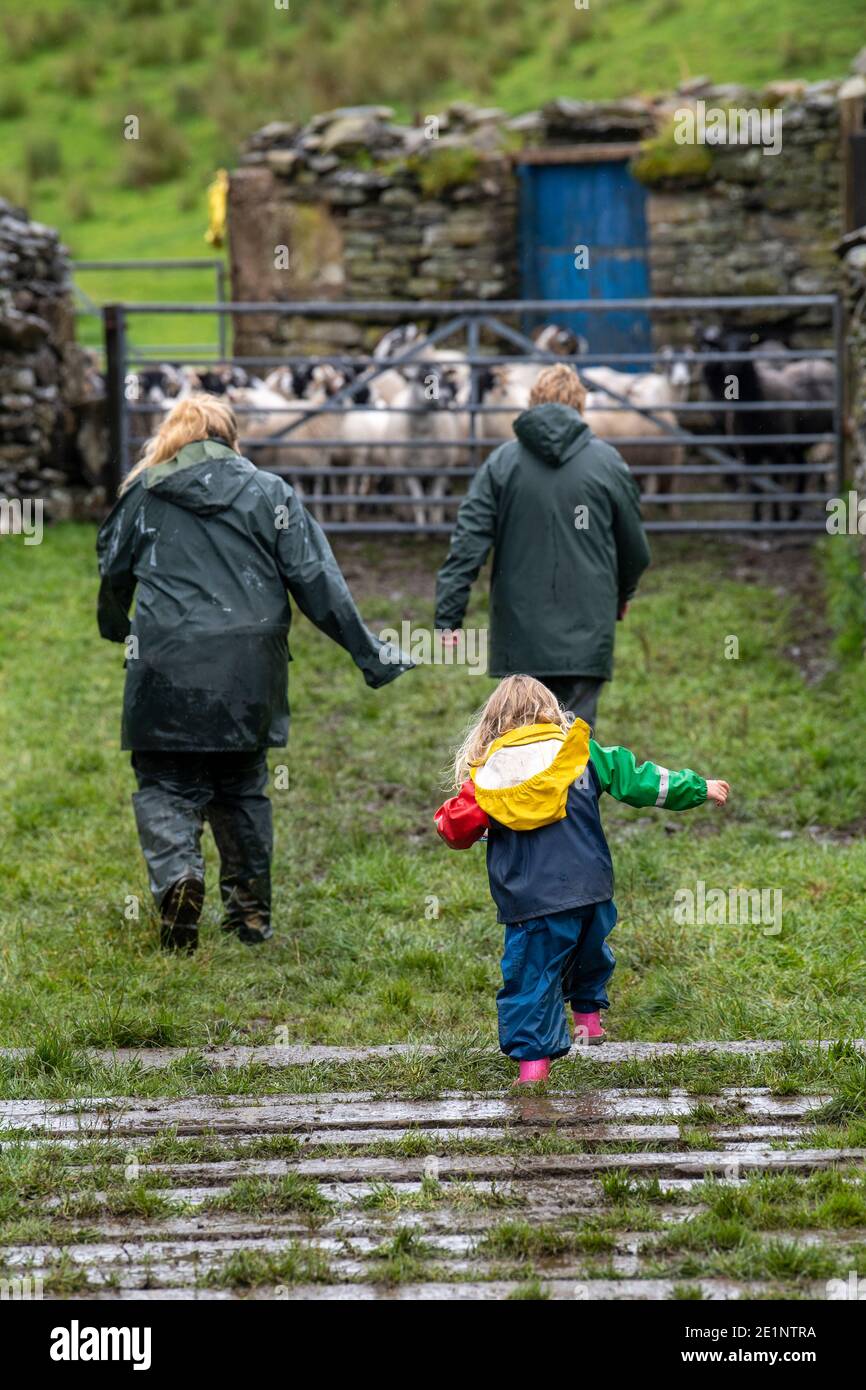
(196, 417)
(516, 701)
(559, 384)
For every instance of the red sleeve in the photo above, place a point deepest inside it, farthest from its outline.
(461, 820)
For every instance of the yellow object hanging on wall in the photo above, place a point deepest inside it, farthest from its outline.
(217, 208)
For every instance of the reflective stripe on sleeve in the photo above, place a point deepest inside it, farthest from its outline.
(664, 779)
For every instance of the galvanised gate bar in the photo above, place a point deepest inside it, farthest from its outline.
(711, 489)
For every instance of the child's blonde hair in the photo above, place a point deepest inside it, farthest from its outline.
(516, 701)
(196, 417)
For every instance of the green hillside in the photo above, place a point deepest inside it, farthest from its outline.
(201, 74)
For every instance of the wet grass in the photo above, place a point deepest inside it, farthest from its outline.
(418, 959)
(75, 974)
(250, 1268)
(431, 1195)
(264, 1196)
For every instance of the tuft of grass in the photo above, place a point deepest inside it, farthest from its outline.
(845, 588)
(250, 1268)
(521, 1240)
(65, 1278)
(43, 158)
(529, 1290)
(402, 1259)
(289, 1193)
(621, 1189)
(159, 154)
(849, 1099)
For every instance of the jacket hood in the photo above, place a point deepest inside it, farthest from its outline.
(524, 780)
(204, 477)
(551, 432)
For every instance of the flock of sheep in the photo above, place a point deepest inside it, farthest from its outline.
(396, 431)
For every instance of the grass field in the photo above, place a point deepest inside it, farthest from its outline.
(386, 1176)
(382, 933)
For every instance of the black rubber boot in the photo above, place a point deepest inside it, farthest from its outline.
(180, 910)
(253, 930)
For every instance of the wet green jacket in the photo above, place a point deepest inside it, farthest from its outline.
(212, 547)
(561, 512)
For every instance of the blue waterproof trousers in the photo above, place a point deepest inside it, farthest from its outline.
(548, 962)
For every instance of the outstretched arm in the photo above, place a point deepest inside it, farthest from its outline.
(647, 784)
(632, 551)
(461, 821)
(470, 544)
(315, 581)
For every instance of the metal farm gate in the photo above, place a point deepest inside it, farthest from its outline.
(712, 489)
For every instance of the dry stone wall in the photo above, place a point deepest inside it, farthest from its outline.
(42, 370)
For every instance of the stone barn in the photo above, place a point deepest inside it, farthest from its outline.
(472, 204)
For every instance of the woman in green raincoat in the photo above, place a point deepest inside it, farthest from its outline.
(212, 548)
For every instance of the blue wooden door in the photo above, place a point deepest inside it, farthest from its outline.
(600, 206)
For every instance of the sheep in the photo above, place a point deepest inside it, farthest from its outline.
(510, 383)
(366, 429)
(450, 365)
(158, 388)
(615, 425)
(652, 391)
(428, 419)
(805, 379)
(648, 389)
(387, 385)
(505, 385)
(552, 337)
(223, 377)
(268, 415)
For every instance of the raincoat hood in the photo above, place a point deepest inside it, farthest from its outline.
(204, 477)
(524, 780)
(551, 432)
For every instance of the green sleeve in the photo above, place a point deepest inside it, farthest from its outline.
(632, 551)
(115, 550)
(646, 784)
(474, 534)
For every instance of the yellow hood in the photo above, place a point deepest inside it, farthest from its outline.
(529, 802)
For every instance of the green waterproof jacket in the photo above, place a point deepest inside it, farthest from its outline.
(212, 547)
(561, 511)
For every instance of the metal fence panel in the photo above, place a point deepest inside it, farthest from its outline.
(350, 493)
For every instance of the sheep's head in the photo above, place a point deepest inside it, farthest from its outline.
(553, 337)
(327, 378)
(283, 380)
(396, 340)
(676, 367)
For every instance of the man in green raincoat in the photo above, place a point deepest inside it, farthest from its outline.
(561, 512)
(213, 548)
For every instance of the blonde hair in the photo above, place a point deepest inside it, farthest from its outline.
(196, 417)
(516, 701)
(558, 384)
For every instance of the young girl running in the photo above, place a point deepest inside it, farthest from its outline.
(531, 779)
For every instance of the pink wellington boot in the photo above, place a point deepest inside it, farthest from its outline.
(536, 1070)
(588, 1031)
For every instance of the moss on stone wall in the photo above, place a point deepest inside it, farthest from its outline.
(662, 162)
(444, 168)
